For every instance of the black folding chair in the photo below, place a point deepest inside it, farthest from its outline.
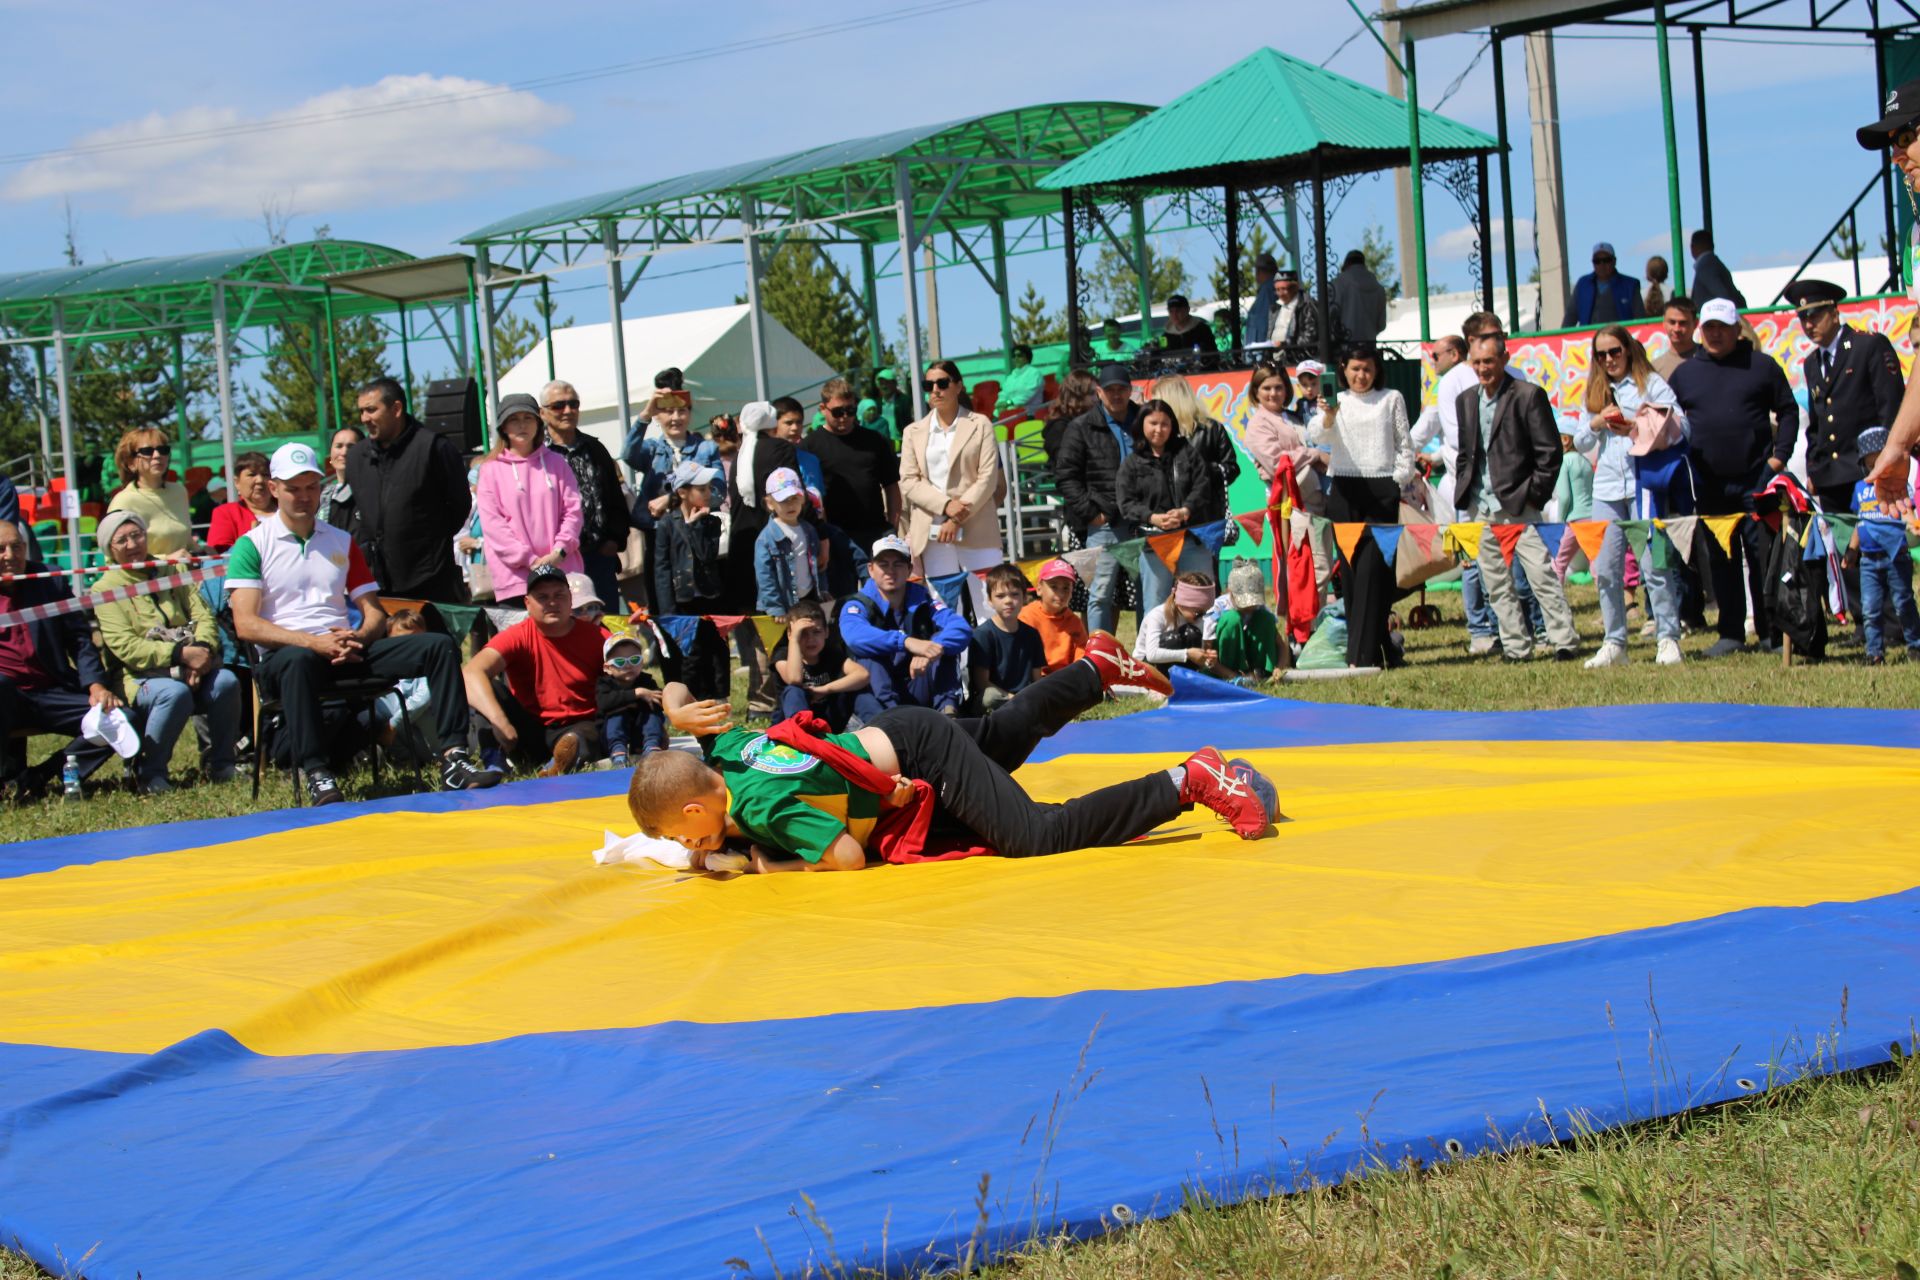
(348, 697)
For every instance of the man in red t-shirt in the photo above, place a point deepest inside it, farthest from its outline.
(534, 682)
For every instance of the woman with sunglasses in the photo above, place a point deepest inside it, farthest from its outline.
(952, 484)
(1620, 381)
(144, 456)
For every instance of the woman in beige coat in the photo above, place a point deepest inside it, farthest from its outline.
(952, 484)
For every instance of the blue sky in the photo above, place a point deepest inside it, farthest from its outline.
(1781, 115)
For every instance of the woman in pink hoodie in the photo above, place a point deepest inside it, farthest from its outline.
(529, 502)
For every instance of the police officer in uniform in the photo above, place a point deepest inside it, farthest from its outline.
(1853, 382)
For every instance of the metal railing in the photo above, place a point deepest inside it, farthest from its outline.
(1849, 219)
(28, 471)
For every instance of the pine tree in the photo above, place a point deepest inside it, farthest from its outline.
(19, 423)
(1033, 324)
(289, 401)
(1256, 244)
(800, 289)
(514, 336)
(1113, 288)
(1380, 259)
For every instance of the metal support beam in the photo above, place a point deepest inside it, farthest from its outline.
(1000, 289)
(1142, 267)
(1067, 237)
(223, 375)
(1894, 272)
(1506, 186)
(333, 366)
(70, 506)
(483, 324)
(1673, 148)
(1232, 199)
(1486, 235)
(182, 428)
(755, 332)
(876, 341)
(406, 355)
(1700, 129)
(903, 211)
(546, 324)
(1293, 228)
(1417, 178)
(40, 404)
(1320, 258)
(623, 399)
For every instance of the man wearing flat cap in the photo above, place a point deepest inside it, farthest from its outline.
(1895, 132)
(1853, 382)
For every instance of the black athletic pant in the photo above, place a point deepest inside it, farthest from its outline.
(53, 710)
(969, 763)
(300, 678)
(1752, 545)
(1370, 584)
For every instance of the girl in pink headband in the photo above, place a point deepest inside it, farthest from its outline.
(1180, 632)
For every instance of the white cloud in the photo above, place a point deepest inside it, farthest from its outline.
(1458, 244)
(368, 146)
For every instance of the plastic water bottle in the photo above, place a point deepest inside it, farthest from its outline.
(70, 776)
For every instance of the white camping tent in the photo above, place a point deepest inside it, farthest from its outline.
(714, 348)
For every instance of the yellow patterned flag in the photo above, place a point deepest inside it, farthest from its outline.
(1464, 537)
(770, 631)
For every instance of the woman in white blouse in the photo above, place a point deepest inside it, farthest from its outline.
(1370, 456)
(952, 484)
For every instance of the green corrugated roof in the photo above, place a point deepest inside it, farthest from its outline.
(854, 175)
(177, 292)
(1267, 113)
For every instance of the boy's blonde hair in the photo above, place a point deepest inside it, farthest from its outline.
(663, 781)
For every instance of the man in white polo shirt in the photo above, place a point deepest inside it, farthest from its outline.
(290, 581)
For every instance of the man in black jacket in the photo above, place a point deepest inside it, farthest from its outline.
(604, 514)
(1743, 421)
(1509, 461)
(1711, 279)
(410, 487)
(1853, 382)
(1087, 473)
(50, 672)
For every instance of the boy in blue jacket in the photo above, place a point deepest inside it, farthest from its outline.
(908, 640)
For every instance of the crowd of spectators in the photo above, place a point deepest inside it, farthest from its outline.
(871, 538)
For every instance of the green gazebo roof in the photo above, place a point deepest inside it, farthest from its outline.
(1260, 123)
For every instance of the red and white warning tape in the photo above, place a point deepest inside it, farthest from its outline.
(93, 599)
(102, 568)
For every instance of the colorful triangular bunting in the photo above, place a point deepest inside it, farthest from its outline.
(1254, 524)
(770, 631)
(1721, 527)
(1212, 534)
(1168, 546)
(1465, 537)
(1128, 554)
(1347, 536)
(1387, 538)
(1423, 536)
(1590, 534)
(1682, 531)
(1635, 532)
(1551, 536)
(1508, 535)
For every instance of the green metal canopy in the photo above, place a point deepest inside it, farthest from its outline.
(993, 160)
(1261, 121)
(265, 286)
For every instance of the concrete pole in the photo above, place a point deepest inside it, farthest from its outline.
(1402, 181)
(756, 329)
(223, 373)
(483, 321)
(1506, 185)
(933, 298)
(903, 210)
(1550, 212)
(70, 499)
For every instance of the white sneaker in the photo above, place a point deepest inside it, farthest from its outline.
(1667, 654)
(1647, 629)
(1610, 655)
(1481, 646)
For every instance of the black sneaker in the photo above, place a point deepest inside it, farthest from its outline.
(322, 789)
(458, 772)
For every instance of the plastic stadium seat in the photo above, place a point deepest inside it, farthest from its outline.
(985, 396)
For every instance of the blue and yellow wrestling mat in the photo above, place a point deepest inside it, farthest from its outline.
(428, 1036)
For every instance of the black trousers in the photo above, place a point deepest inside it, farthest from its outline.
(300, 678)
(50, 711)
(536, 736)
(1370, 584)
(970, 761)
(1752, 548)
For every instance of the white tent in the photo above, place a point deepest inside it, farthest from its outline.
(714, 348)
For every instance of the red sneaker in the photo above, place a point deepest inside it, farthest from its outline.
(1119, 668)
(1228, 791)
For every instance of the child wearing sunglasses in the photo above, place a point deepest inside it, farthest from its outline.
(629, 701)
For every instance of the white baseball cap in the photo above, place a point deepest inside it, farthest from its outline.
(1717, 311)
(892, 542)
(295, 459)
(784, 483)
(583, 593)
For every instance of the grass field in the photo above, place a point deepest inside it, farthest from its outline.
(1819, 1178)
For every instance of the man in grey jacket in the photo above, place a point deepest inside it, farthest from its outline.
(1509, 460)
(1359, 301)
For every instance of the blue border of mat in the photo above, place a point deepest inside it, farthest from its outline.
(667, 1150)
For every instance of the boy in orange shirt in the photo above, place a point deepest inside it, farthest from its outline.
(1063, 633)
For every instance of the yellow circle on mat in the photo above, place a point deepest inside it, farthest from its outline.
(399, 931)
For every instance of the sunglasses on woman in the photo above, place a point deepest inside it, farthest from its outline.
(936, 384)
(154, 451)
(1608, 353)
